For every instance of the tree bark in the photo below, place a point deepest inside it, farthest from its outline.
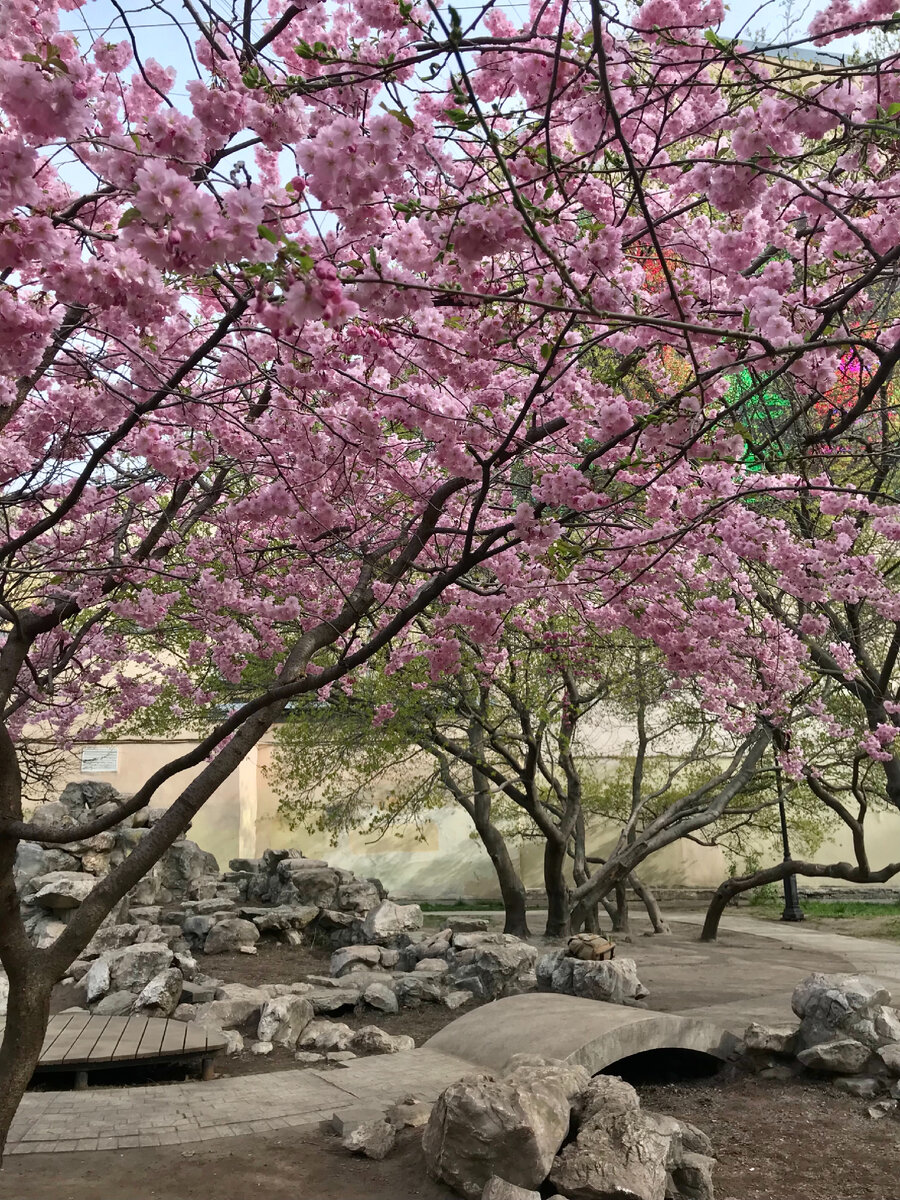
(27, 1014)
(511, 887)
(730, 888)
(621, 923)
(649, 901)
(558, 924)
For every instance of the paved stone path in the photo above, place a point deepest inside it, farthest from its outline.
(120, 1118)
(749, 974)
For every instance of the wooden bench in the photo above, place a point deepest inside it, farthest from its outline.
(81, 1043)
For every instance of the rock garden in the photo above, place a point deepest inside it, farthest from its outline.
(180, 946)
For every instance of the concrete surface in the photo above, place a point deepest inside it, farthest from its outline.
(588, 1032)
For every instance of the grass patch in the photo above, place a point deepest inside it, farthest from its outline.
(467, 906)
(844, 909)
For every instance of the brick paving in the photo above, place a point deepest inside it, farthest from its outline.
(119, 1118)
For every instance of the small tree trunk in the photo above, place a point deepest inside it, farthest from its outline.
(645, 895)
(723, 896)
(511, 887)
(28, 1011)
(621, 923)
(557, 893)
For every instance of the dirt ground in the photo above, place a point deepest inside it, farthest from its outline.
(775, 1141)
(787, 1141)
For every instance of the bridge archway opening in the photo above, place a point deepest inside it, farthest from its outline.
(667, 1064)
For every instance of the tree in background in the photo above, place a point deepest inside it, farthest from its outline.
(518, 744)
(250, 414)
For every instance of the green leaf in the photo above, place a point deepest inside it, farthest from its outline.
(129, 215)
(372, 259)
(402, 117)
(546, 351)
(304, 50)
(269, 234)
(136, 139)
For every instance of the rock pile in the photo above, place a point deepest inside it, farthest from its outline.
(849, 1030)
(52, 882)
(545, 1124)
(613, 980)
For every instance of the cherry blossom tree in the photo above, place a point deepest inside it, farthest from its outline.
(472, 307)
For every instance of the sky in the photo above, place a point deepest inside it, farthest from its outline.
(779, 19)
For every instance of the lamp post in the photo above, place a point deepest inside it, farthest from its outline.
(792, 909)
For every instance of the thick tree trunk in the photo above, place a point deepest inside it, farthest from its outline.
(558, 924)
(27, 1014)
(511, 887)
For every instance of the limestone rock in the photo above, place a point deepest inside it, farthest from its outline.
(97, 980)
(413, 990)
(481, 1126)
(613, 981)
(369, 1039)
(409, 1113)
(431, 966)
(116, 1004)
(374, 1139)
(527, 1068)
(160, 995)
(381, 997)
(283, 1020)
(61, 889)
(606, 1095)
(383, 923)
(350, 957)
(881, 1108)
(614, 1157)
(232, 1009)
(844, 1056)
(832, 1006)
(33, 860)
(325, 1036)
(329, 1000)
(467, 924)
(498, 1189)
(307, 884)
(134, 966)
(456, 999)
(863, 1087)
(490, 970)
(764, 1038)
(286, 918)
(357, 895)
(887, 1024)
(230, 935)
(261, 1048)
(693, 1178)
(890, 1056)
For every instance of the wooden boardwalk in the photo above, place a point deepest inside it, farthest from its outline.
(81, 1043)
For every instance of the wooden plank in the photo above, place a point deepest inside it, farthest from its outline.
(151, 1039)
(195, 1038)
(55, 1027)
(80, 1050)
(173, 1037)
(105, 1049)
(131, 1038)
(60, 1047)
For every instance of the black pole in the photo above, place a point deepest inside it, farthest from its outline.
(792, 909)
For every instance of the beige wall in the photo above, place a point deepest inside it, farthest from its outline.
(440, 859)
